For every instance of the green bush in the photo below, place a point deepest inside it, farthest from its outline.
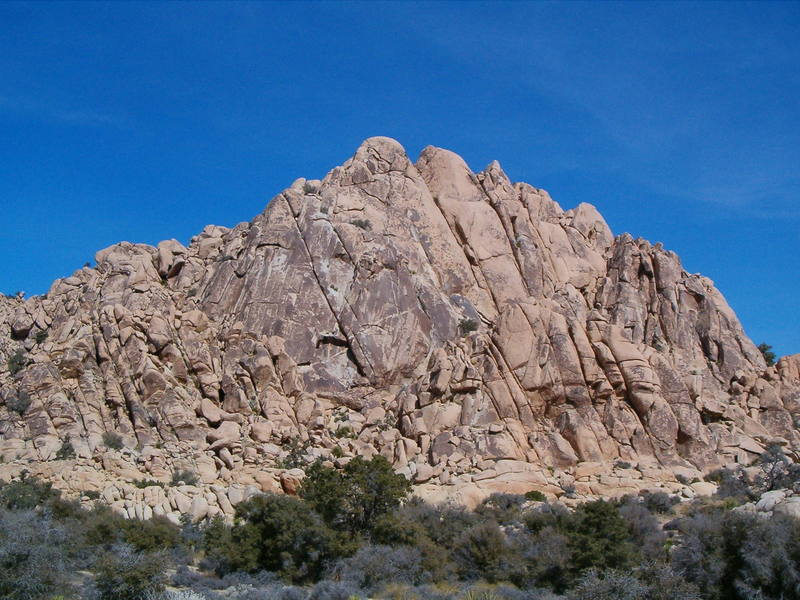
(658, 502)
(16, 362)
(500, 507)
(281, 534)
(145, 483)
(102, 527)
(598, 537)
(40, 336)
(467, 326)
(20, 403)
(345, 431)
(66, 451)
(296, 455)
(26, 493)
(158, 533)
(535, 496)
(112, 440)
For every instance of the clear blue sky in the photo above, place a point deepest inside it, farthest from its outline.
(142, 122)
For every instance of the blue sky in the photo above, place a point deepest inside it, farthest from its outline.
(143, 122)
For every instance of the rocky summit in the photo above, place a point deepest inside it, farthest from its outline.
(465, 327)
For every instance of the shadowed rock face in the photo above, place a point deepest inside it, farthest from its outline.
(462, 325)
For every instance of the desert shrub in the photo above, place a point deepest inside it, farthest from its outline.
(296, 454)
(34, 557)
(179, 595)
(738, 556)
(731, 484)
(158, 533)
(544, 558)
(354, 498)
(658, 502)
(362, 224)
(125, 574)
(281, 534)
(345, 431)
(646, 583)
(503, 508)
(273, 591)
(545, 515)
(398, 528)
(16, 362)
(535, 496)
(483, 552)
(102, 527)
(217, 544)
(40, 336)
(112, 440)
(502, 591)
(467, 326)
(335, 590)
(66, 451)
(442, 524)
(184, 477)
(26, 493)
(372, 567)
(645, 532)
(20, 403)
(608, 585)
(665, 584)
(145, 483)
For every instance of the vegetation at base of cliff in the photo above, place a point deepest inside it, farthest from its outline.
(355, 533)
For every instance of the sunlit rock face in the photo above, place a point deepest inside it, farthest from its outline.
(464, 326)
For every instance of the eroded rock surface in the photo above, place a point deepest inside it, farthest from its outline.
(464, 326)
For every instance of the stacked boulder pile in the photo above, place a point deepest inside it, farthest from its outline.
(466, 327)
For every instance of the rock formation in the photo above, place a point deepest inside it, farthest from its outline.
(464, 326)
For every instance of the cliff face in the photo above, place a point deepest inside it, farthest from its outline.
(464, 326)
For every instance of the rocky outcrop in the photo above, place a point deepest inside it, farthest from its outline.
(464, 326)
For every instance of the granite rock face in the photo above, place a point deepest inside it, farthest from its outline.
(464, 326)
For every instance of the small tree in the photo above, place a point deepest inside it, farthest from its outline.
(766, 351)
(355, 497)
(281, 534)
(777, 470)
(599, 537)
